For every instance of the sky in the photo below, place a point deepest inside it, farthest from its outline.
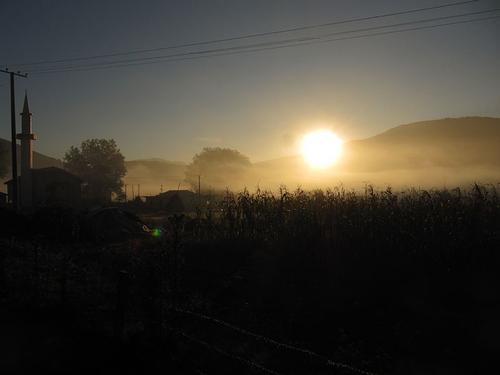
(259, 103)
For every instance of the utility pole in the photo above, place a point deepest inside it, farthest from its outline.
(13, 132)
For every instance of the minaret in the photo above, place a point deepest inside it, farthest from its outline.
(26, 137)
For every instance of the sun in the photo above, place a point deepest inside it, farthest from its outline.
(321, 148)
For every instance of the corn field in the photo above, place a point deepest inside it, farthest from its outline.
(387, 282)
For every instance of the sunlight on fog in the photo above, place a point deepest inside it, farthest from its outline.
(321, 148)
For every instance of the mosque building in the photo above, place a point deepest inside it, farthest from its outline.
(41, 187)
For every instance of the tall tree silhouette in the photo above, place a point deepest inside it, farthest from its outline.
(218, 168)
(100, 164)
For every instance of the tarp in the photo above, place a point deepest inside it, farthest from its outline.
(113, 224)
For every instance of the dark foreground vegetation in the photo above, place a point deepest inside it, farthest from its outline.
(326, 282)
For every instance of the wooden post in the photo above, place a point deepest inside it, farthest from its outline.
(13, 144)
(3, 276)
(122, 293)
(36, 275)
(64, 281)
(14, 191)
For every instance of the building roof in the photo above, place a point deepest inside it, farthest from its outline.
(52, 170)
(48, 170)
(169, 193)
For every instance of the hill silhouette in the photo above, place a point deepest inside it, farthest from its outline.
(451, 142)
(39, 160)
(450, 151)
(464, 148)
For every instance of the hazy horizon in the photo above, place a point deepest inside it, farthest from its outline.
(428, 154)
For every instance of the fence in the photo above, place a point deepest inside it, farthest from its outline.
(92, 281)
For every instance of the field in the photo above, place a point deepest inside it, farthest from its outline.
(294, 282)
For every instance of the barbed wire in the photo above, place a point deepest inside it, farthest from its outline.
(275, 343)
(216, 349)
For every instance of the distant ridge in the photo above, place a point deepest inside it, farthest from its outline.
(447, 130)
(450, 145)
(39, 160)
(449, 142)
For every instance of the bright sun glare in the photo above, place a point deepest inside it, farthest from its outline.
(321, 148)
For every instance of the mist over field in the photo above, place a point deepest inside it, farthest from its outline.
(442, 153)
(431, 154)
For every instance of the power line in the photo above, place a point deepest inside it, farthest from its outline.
(267, 48)
(441, 18)
(247, 36)
(267, 44)
(169, 58)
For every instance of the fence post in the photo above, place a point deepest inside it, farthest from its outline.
(3, 276)
(36, 274)
(122, 293)
(64, 281)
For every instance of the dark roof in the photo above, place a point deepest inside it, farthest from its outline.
(49, 170)
(168, 193)
(56, 170)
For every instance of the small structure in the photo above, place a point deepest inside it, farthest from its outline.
(173, 201)
(112, 224)
(50, 186)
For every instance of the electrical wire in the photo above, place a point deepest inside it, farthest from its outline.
(272, 43)
(247, 36)
(169, 58)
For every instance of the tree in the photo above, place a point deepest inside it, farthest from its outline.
(100, 164)
(218, 168)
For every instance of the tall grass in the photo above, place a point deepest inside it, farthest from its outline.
(402, 272)
(372, 278)
(415, 220)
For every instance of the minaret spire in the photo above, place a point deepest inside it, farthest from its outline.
(27, 137)
(26, 108)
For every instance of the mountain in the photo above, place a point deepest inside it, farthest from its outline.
(450, 151)
(39, 160)
(450, 143)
